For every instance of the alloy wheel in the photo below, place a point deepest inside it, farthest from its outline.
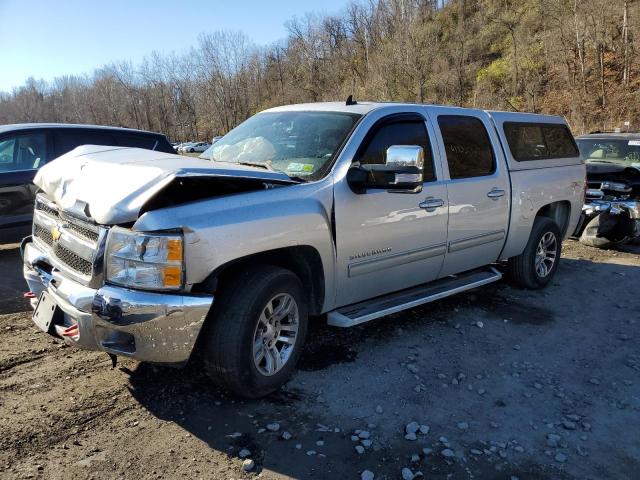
(275, 334)
(546, 254)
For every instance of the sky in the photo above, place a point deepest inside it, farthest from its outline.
(50, 38)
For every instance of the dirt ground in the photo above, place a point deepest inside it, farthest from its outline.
(509, 384)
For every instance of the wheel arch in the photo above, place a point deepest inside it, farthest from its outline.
(559, 212)
(303, 260)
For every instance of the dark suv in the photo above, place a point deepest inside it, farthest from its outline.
(26, 147)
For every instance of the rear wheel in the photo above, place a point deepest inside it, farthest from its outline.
(257, 330)
(537, 264)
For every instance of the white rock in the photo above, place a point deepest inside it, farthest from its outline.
(364, 434)
(298, 446)
(248, 465)
(360, 449)
(411, 437)
(378, 410)
(412, 427)
(424, 429)
(560, 457)
(415, 457)
(311, 452)
(448, 453)
(320, 443)
(286, 435)
(366, 443)
(427, 451)
(463, 425)
(244, 453)
(479, 324)
(367, 475)
(273, 427)
(407, 474)
(355, 438)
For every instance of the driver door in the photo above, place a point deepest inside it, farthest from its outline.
(386, 240)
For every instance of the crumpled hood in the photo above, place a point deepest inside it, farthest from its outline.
(110, 185)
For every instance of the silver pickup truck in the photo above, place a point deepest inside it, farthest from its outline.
(341, 211)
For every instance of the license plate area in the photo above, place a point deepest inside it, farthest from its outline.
(45, 313)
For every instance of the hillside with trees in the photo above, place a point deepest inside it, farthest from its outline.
(576, 58)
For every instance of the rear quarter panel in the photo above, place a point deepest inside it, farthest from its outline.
(531, 190)
(537, 183)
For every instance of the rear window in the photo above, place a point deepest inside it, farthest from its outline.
(539, 141)
(140, 141)
(67, 140)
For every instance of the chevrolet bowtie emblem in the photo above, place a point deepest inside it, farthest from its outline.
(55, 234)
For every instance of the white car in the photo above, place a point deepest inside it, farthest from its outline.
(194, 147)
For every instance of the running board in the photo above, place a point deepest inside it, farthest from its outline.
(412, 297)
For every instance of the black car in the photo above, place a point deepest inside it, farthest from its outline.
(611, 214)
(26, 147)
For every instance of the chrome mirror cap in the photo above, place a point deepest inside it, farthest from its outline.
(400, 156)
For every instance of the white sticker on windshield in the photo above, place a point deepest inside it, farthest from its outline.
(635, 143)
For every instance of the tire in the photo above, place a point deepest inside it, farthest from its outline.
(523, 269)
(191, 151)
(607, 230)
(228, 346)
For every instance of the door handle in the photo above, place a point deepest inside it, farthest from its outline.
(495, 193)
(431, 203)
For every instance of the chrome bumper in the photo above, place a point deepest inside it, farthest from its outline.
(613, 206)
(150, 327)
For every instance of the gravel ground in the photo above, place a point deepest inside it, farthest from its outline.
(498, 383)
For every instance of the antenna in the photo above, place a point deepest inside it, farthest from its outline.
(351, 101)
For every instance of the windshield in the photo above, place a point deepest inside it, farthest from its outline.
(299, 144)
(620, 151)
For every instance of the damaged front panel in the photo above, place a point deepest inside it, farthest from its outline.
(111, 186)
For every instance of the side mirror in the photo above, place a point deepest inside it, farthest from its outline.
(401, 172)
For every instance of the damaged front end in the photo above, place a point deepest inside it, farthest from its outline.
(611, 213)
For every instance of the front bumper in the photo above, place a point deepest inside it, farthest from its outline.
(146, 326)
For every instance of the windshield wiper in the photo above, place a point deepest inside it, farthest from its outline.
(266, 166)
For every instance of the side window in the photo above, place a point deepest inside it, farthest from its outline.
(403, 132)
(560, 141)
(142, 141)
(23, 152)
(467, 145)
(539, 141)
(67, 140)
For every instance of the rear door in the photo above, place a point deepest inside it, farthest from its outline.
(387, 241)
(21, 154)
(478, 187)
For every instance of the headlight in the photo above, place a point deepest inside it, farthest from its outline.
(141, 260)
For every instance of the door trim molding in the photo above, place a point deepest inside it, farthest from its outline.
(375, 264)
(476, 240)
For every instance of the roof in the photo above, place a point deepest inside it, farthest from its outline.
(611, 136)
(28, 126)
(363, 108)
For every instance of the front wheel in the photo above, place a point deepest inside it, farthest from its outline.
(537, 264)
(258, 327)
